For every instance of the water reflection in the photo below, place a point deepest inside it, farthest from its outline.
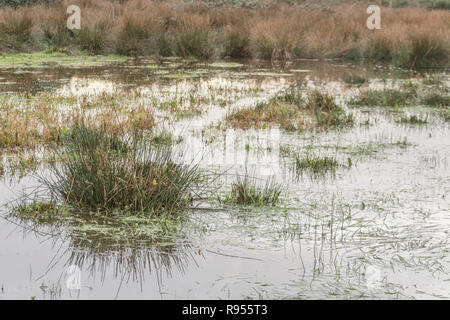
(103, 254)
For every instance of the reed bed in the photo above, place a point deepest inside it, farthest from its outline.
(410, 37)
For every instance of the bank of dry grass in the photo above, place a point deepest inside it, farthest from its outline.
(410, 37)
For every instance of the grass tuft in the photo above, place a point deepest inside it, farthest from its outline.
(316, 165)
(326, 112)
(353, 79)
(383, 98)
(251, 191)
(413, 119)
(436, 99)
(103, 171)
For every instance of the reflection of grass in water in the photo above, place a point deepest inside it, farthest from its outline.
(125, 242)
(20, 163)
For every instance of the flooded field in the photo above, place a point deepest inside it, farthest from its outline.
(357, 181)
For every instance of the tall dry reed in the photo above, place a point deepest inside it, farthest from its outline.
(410, 37)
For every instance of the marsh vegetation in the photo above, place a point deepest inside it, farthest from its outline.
(175, 177)
(412, 37)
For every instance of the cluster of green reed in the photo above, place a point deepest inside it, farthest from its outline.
(103, 171)
(250, 190)
(316, 164)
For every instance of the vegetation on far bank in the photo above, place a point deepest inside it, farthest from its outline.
(410, 37)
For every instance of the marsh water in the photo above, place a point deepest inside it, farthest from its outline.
(375, 227)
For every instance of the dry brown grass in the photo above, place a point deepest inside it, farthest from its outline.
(141, 27)
(29, 121)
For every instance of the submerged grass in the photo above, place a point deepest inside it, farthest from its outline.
(102, 171)
(41, 212)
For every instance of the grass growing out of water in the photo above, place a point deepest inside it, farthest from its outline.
(292, 112)
(316, 164)
(39, 211)
(436, 99)
(353, 79)
(165, 137)
(413, 119)
(326, 112)
(102, 171)
(410, 93)
(251, 191)
(383, 98)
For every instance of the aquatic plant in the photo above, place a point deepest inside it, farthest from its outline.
(104, 171)
(262, 114)
(353, 79)
(413, 119)
(253, 191)
(325, 110)
(316, 164)
(292, 112)
(42, 212)
(383, 98)
(436, 99)
(165, 137)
